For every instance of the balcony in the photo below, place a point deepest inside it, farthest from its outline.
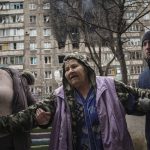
(14, 11)
(12, 38)
(11, 25)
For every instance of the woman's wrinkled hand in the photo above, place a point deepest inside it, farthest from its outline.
(42, 117)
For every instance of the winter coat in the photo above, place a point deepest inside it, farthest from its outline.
(111, 117)
(144, 82)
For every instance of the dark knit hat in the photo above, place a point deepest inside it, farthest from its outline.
(146, 36)
(29, 77)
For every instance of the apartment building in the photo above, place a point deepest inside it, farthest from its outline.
(27, 42)
(11, 33)
(43, 53)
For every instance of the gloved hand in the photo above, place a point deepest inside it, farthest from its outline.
(144, 104)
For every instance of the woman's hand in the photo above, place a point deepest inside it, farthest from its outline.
(42, 116)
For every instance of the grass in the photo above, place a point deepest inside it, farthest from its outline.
(38, 130)
(43, 147)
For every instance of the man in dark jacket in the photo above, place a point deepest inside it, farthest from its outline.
(14, 97)
(144, 80)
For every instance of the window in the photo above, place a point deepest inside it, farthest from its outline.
(61, 58)
(112, 71)
(46, 19)
(32, 6)
(47, 32)
(48, 89)
(107, 56)
(13, 32)
(33, 46)
(32, 89)
(33, 32)
(16, 18)
(16, 32)
(32, 19)
(131, 15)
(14, 45)
(3, 60)
(16, 5)
(134, 28)
(16, 60)
(4, 6)
(34, 73)
(47, 45)
(5, 46)
(46, 6)
(20, 45)
(48, 75)
(146, 17)
(33, 60)
(3, 19)
(136, 69)
(4, 32)
(13, 18)
(74, 32)
(47, 59)
(135, 55)
(21, 18)
(17, 46)
(134, 42)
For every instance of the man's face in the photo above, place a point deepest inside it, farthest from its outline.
(146, 49)
(75, 73)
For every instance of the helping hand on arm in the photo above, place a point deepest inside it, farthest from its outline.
(136, 101)
(26, 120)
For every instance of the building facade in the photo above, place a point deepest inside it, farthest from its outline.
(11, 33)
(27, 42)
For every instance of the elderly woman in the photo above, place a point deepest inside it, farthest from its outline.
(86, 112)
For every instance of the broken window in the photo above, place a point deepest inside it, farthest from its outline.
(32, 19)
(61, 58)
(46, 19)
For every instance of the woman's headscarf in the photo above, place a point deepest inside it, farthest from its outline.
(83, 60)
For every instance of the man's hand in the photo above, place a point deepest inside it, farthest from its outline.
(42, 116)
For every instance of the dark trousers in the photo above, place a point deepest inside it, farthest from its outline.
(16, 141)
(6, 143)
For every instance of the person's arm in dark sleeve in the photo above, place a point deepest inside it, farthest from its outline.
(26, 120)
(129, 97)
(46, 108)
(21, 121)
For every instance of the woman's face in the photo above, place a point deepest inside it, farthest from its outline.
(75, 73)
